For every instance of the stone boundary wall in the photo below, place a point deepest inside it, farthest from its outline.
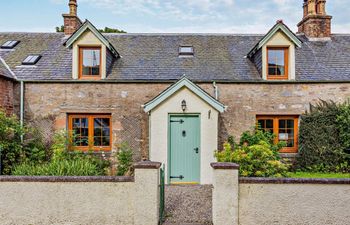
(250, 201)
(82, 200)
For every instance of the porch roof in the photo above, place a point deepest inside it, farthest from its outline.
(184, 82)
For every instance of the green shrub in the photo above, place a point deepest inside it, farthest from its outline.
(71, 167)
(13, 150)
(65, 162)
(10, 142)
(256, 154)
(124, 157)
(324, 138)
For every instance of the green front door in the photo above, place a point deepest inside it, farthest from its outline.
(184, 162)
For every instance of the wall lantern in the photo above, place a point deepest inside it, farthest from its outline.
(183, 105)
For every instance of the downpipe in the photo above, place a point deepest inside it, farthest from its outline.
(22, 108)
(216, 91)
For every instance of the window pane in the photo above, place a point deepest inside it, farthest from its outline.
(101, 132)
(105, 132)
(84, 141)
(76, 122)
(84, 131)
(91, 61)
(290, 143)
(290, 123)
(272, 57)
(97, 141)
(282, 124)
(276, 62)
(81, 131)
(272, 70)
(84, 122)
(95, 70)
(269, 124)
(261, 124)
(97, 132)
(105, 141)
(97, 122)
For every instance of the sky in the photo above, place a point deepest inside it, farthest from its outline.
(167, 16)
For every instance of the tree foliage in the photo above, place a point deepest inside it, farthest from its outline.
(105, 30)
(112, 30)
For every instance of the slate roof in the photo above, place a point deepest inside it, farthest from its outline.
(154, 57)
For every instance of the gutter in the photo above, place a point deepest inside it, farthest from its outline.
(195, 81)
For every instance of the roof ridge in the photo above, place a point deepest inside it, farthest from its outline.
(179, 34)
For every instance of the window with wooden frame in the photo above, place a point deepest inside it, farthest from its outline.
(277, 63)
(91, 132)
(90, 62)
(285, 129)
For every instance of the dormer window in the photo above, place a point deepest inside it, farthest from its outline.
(186, 51)
(277, 63)
(90, 62)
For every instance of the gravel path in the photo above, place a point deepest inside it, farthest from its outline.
(188, 205)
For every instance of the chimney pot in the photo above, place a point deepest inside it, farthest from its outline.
(71, 20)
(315, 23)
(73, 7)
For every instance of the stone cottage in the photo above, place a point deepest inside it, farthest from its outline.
(173, 97)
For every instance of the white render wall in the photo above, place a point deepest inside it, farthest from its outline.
(311, 204)
(268, 201)
(209, 130)
(35, 200)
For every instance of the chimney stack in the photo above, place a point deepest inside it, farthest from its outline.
(71, 20)
(315, 23)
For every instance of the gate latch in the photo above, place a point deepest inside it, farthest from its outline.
(177, 177)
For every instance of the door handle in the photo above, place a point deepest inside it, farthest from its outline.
(196, 150)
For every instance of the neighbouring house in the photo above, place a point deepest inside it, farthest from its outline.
(7, 80)
(174, 97)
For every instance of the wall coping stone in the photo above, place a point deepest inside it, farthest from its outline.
(224, 166)
(263, 180)
(67, 179)
(147, 165)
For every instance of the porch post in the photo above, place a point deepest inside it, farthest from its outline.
(225, 193)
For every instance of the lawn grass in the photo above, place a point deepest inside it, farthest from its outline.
(318, 175)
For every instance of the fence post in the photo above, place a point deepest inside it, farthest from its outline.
(225, 193)
(146, 198)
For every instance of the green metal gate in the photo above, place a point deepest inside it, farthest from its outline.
(161, 195)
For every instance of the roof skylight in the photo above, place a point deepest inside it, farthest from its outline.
(9, 44)
(186, 51)
(31, 60)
